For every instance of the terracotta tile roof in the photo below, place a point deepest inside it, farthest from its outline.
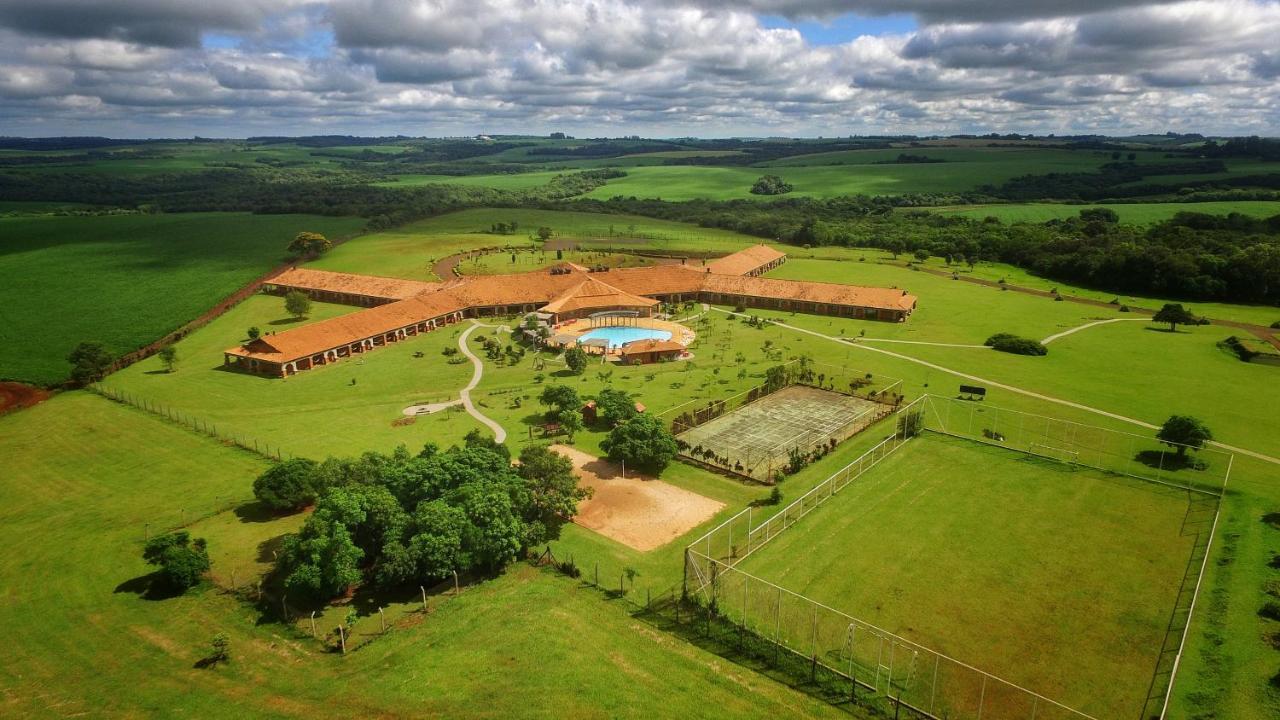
(594, 293)
(343, 330)
(647, 346)
(627, 287)
(745, 261)
(379, 287)
(534, 288)
(656, 279)
(804, 291)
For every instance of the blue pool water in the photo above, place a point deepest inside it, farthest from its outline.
(619, 336)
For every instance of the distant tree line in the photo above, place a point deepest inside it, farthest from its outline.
(1234, 258)
(267, 190)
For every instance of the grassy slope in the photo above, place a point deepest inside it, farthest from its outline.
(976, 544)
(298, 414)
(960, 313)
(1257, 314)
(409, 251)
(125, 280)
(80, 643)
(501, 181)
(850, 172)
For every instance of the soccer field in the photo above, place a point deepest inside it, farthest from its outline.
(1054, 577)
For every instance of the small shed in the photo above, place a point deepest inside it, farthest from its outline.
(589, 412)
(650, 351)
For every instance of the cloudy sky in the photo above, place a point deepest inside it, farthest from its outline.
(231, 68)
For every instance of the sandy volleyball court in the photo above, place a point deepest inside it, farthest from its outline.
(636, 511)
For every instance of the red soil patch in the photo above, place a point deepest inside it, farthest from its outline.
(636, 511)
(15, 396)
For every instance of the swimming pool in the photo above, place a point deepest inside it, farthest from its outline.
(619, 336)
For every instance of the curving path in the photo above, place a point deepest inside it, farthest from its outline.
(921, 342)
(499, 434)
(1010, 388)
(1086, 326)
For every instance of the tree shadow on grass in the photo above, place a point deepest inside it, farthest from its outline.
(1165, 330)
(238, 371)
(287, 321)
(207, 662)
(269, 549)
(148, 587)
(257, 512)
(1162, 460)
(1272, 519)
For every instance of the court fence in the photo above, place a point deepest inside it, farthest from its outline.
(762, 464)
(875, 665)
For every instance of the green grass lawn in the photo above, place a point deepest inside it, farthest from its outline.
(499, 181)
(302, 414)
(410, 251)
(178, 157)
(848, 173)
(77, 439)
(528, 260)
(877, 267)
(126, 280)
(1148, 372)
(1136, 213)
(817, 175)
(84, 475)
(1019, 566)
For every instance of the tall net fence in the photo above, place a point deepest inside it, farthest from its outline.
(750, 530)
(774, 428)
(875, 666)
(1203, 470)
(864, 662)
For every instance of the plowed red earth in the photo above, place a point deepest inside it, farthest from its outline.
(15, 396)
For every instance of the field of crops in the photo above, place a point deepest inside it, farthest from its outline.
(126, 280)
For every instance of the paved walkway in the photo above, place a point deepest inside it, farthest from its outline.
(922, 342)
(499, 434)
(1086, 326)
(1010, 388)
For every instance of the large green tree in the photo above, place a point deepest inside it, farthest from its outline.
(643, 442)
(615, 405)
(1175, 315)
(1182, 432)
(182, 560)
(297, 303)
(322, 560)
(289, 485)
(560, 398)
(553, 492)
(410, 519)
(89, 362)
(309, 244)
(576, 359)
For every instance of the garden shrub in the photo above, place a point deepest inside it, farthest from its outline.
(1007, 342)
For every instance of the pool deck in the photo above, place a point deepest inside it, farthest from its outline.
(679, 333)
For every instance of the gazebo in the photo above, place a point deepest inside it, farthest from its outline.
(593, 296)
